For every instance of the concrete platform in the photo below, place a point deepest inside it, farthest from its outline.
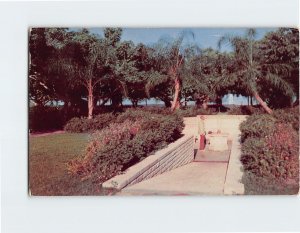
(213, 156)
(197, 178)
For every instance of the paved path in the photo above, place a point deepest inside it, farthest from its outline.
(211, 173)
(206, 175)
(194, 178)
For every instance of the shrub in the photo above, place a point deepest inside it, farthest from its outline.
(288, 115)
(122, 144)
(43, 118)
(266, 186)
(275, 156)
(134, 114)
(245, 110)
(83, 124)
(158, 110)
(284, 146)
(258, 126)
(270, 155)
(192, 112)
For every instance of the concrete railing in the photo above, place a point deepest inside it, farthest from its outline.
(225, 123)
(176, 154)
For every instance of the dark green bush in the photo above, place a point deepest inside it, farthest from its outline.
(270, 154)
(43, 118)
(245, 110)
(123, 144)
(256, 185)
(192, 112)
(83, 124)
(157, 110)
(258, 126)
(288, 115)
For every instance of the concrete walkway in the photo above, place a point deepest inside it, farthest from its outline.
(194, 178)
(211, 173)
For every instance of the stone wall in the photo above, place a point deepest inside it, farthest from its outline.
(176, 154)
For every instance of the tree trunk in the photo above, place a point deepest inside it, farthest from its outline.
(205, 103)
(251, 100)
(134, 103)
(262, 103)
(176, 103)
(90, 99)
(167, 103)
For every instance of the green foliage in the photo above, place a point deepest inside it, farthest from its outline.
(245, 110)
(281, 47)
(274, 156)
(288, 115)
(158, 110)
(83, 124)
(124, 143)
(192, 112)
(270, 154)
(256, 185)
(257, 126)
(256, 74)
(45, 119)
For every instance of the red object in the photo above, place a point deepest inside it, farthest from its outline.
(202, 142)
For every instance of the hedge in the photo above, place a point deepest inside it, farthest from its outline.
(47, 118)
(270, 153)
(245, 110)
(257, 126)
(134, 136)
(84, 125)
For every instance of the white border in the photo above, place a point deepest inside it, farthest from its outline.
(21, 213)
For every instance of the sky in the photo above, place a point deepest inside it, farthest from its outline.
(204, 37)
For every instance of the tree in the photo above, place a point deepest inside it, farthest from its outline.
(206, 75)
(88, 60)
(253, 72)
(151, 65)
(42, 88)
(282, 47)
(170, 56)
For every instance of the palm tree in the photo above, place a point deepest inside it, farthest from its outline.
(206, 75)
(170, 56)
(251, 69)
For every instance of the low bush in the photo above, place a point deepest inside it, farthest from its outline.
(245, 110)
(43, 118)
(257, 126)
(270, 154)
(256, 185)
(274, 156)
(83, 124)
(158, 110)
(49, 118)
(288, 115)
(192, 112)
(123, 144)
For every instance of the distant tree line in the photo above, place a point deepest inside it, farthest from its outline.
(84, 70)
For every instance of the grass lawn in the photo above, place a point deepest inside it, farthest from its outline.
(48, 175)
